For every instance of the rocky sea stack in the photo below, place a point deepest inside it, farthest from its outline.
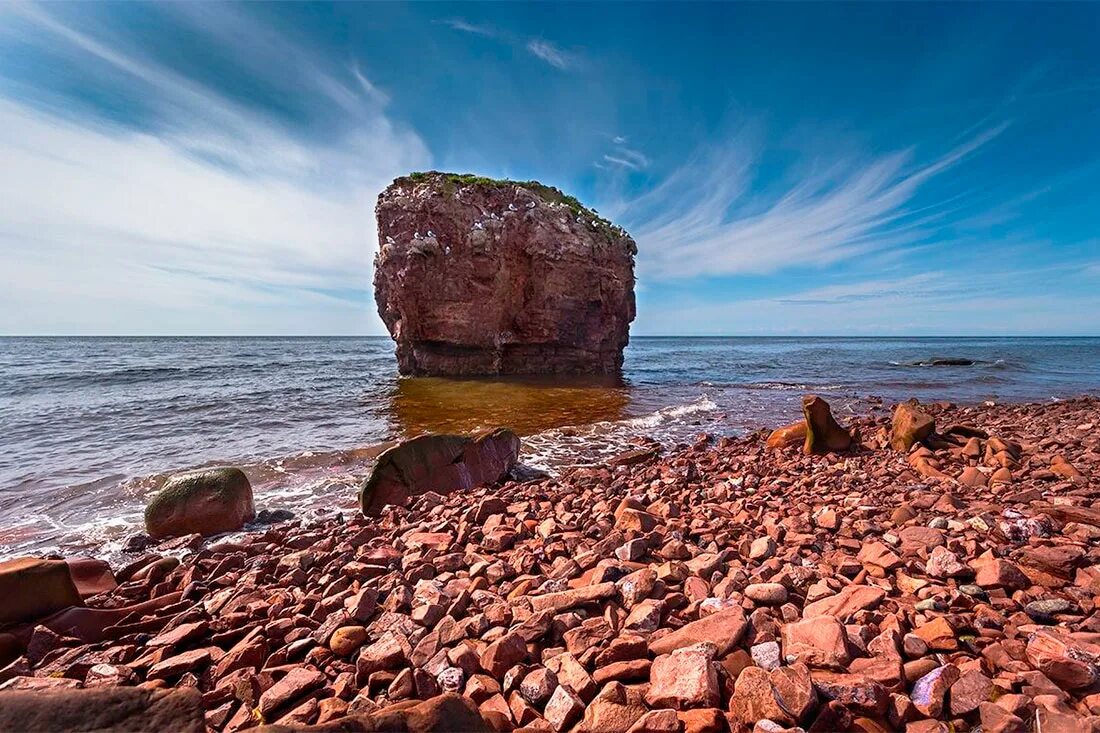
(479, 276)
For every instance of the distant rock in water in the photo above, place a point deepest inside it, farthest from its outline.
(477, 276)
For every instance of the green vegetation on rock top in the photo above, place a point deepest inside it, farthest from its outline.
(547, 193)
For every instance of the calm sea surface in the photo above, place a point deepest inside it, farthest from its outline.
(89, 426)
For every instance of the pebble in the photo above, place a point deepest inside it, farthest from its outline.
(768, 594)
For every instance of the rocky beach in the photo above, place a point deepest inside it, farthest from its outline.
(418, 367)
(935, 571)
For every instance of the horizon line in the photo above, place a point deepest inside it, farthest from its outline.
(646, 336)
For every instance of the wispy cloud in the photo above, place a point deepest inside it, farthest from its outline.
(706, 218)
(935, 302)
(627, 158)
(551, 54)
(922, 285)
(216, 218)
(461, 25)
(540, 48)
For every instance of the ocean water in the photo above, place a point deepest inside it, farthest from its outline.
(90, 426)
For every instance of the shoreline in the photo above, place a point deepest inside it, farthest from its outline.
(91, 426)
(304, 482)
(888, 588)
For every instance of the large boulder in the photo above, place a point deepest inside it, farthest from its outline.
(439, 463)
(479, 276)
(31, 588)
(206, 502)
(910, 425)
(823, 432)
(129, 709)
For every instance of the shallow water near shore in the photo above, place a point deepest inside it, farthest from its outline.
(89, 426)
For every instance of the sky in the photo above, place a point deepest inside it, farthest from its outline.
(786, 169)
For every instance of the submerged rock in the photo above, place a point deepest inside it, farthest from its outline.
(439, 463)
(479, 276)
(203, 502)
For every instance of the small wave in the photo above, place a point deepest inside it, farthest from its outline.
(788, 386)
(580, 445)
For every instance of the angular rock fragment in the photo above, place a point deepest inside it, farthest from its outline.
(685, 678)
(823, 433)
(910, 425)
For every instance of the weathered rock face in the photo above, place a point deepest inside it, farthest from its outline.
(107, 709)
(475, 276)
(823, 432)
(910, 425)
(439, 463)
(31, 588)
(205, 502)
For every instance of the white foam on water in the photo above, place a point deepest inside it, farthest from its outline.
(580, 445)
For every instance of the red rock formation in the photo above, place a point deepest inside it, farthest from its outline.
(440, 463)
(475, 276)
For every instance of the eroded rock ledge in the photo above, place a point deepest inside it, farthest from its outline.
(477, 276)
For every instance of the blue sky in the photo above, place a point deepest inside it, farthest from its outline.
(822, 169)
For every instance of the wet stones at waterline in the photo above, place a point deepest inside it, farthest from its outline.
(206, 502)
(720, 586)
(439, 463)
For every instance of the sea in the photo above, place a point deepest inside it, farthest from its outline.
(89, 427)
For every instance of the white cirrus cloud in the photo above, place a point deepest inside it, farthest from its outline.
(709, 217)
(459, 24)
(540, 48)
(626, 158)
(215, 219)
(551, 54)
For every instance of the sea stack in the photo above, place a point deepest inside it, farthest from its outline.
(476, 276)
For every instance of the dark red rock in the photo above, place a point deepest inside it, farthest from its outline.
(823, 432)
(297, 682)
(31, 588)
(440, 463)
(476, 276)
(104, 709)
(91, 577)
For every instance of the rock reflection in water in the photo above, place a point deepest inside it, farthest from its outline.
(526, 405)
